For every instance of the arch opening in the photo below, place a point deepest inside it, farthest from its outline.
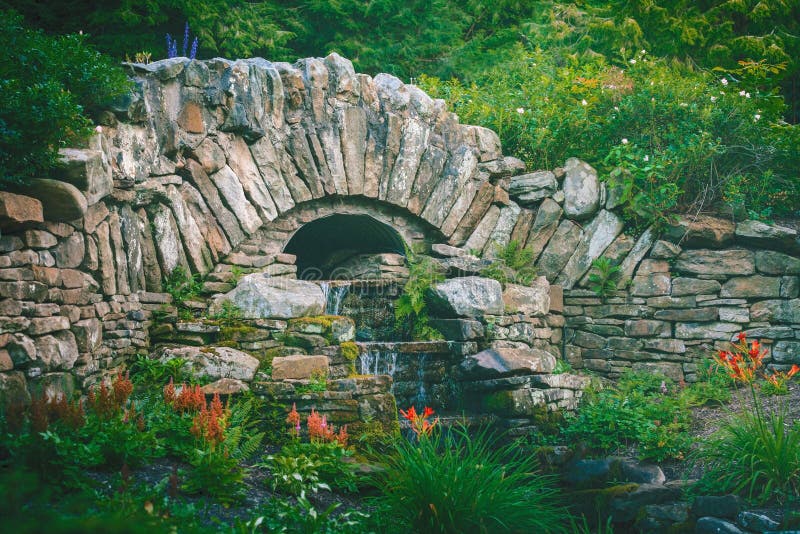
(334, 247)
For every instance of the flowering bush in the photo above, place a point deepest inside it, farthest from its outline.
(419, 422)
(757, 451)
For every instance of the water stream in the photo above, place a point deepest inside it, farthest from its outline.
(334, 296)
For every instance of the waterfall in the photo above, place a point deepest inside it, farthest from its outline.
(422, 394)
(378, 361)
(334, 295)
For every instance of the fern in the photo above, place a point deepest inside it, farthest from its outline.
(604, 276)
(411, 313)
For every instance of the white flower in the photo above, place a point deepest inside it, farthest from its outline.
(646, 157)
(643, 52)
(98, 129)
(713, 98)
(722, 92)
(747, 95)
(742, 93)
(684, 105)
(616, 108)
(584, 102)
(757, 117)
(520, 110)
(632, 62)
(624, 140)
(724, 81)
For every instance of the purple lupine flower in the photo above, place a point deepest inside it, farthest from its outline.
(172, 47)
(193, 53)
(185, 38)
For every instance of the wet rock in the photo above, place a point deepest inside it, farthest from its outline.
(714, 525)
(756, 522)
(469, 296)
(261, 297)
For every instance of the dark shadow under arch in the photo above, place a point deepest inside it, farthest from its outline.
(320, 244)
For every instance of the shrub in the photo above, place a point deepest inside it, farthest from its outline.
(679, 136)
(50, 86)
(641, 409)
(460, 481)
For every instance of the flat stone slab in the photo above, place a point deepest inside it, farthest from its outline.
(495, 363)
(299, 366)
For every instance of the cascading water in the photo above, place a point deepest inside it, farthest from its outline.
(334, 296)
(422, 394)
(378, 361)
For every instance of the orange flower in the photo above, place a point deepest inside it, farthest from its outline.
(419, 422)
(793, 371)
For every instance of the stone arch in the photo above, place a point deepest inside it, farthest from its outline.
(222, 153)
(325, 243)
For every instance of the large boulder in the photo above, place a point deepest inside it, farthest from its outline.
(469, 296)
(260, 297)
(499, 362)
(60, 201)
(214, 362)
(581, 189)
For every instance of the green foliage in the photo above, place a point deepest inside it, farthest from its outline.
(677, 135)
(183, 286)
(294, 474)
(153, 372)
(229, 314)
(512, 263)
(562, 366)
(755, 454)
(635, 411)
(331, 460)
(50, 85)
(301, 517)
(603, 277)
(462, 481)
(411, 312)
(317, 383)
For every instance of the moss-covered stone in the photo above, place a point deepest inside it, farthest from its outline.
(499, 402)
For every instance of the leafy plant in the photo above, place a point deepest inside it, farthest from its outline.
(511, 263)
(411, 312)
(603, 277)
(756, 453)
(182, 286)
(465, 481)
(643, 409)
(301, 517)
(51, 86)
(294, 474)
(154, 372)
